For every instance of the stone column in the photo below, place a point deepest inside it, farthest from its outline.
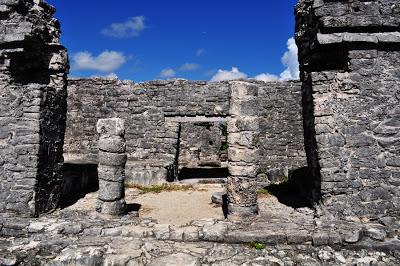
(111, 169)
(243, 152)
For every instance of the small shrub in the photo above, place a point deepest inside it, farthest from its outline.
(257, 245)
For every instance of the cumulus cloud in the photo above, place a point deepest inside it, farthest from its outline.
(167, 73)
(200, 52)
(130, 28)
(189, 67)
(233, 74)
(107, 61)
(267, 77)
(290, 61)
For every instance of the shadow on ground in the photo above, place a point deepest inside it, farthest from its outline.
(297, 191)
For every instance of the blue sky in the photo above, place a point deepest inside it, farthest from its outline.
(202, 40)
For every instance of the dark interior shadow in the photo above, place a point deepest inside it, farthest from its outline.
(133, 207)
(297, 191)
(79, 180)
(202, 173)
(225, 205)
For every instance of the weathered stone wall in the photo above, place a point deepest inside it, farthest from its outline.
(162, 116)
(33, 68)
(152, 112)
(349, 59)
(281, 130)
(203, 144)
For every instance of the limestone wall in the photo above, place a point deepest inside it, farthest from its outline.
(33, 68)
(161, 116)
(349, 59)
(281, 129)
(152, 112)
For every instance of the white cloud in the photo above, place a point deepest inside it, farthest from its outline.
(189, 67)
(267, 77)
(167, 73)
(222, 75)
(130, 28)
(107, 61)
(290, 61)
(200, 52)
(107, 76)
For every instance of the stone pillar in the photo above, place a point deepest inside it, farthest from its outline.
(111, 169)
(243, 152)
(33, 107)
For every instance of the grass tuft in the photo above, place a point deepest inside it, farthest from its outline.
(161, 188)
(263, 192)
(257, 245)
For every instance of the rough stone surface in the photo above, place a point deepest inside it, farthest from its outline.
(351, 104)
(243, 151)
(33, 89)
(171, 125)
(111, 168)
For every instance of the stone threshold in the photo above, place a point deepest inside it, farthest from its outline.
(339, 234)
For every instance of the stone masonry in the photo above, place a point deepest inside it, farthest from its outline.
(33, 92)
(243, 151)
(175, 124)
(111, 169)
(349, 61)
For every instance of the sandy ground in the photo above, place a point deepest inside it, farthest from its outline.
(175, 207)
(179, 207)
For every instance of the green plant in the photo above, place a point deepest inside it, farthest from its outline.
(263, 192)
(224, 146)
(224, 132)
(257, 245)
(224, 129)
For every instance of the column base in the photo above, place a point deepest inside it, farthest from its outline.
(238, 212)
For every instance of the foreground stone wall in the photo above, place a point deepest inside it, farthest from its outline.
(33, 68)
(349, 60)
(176, 124)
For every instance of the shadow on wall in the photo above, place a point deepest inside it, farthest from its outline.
(79, 180)
(203, 173)
(297, 191)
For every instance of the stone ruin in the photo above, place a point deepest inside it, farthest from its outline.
(33, 88)
(334, 135)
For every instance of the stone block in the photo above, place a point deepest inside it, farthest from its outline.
(112, 159)
(214, 232)
(298, 237)
(111, 173)
(110, 191)
(236, 154)
(110, 127)
(112, 208)
(237, 169)
(242, 191)
(114, 144)
(320, 238)
(161, 231)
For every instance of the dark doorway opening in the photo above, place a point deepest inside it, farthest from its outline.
(79, 180)
(204, 175)
(297, 191)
